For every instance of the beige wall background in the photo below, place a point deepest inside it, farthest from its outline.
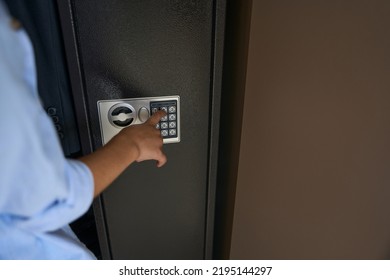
(313, 176)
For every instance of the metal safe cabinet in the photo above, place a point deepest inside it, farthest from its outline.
(126, 58)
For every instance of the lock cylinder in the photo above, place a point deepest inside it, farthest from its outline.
(122, 115)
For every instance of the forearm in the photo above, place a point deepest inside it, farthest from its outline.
(134, 143)
(108, 162)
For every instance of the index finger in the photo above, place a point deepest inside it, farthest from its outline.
(156, 117)
(161, 160)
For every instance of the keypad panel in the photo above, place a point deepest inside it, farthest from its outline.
(116, 114)
(168, 124)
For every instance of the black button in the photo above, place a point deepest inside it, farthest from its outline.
(52, 111)
(55, 119)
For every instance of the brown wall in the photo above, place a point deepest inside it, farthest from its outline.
(314, 165)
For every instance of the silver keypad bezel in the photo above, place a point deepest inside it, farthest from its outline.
(109, 130)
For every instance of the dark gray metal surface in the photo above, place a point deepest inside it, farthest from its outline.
(132, 49)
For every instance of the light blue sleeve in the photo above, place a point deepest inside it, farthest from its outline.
(40, 190)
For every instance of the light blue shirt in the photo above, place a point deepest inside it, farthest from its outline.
(41, 191)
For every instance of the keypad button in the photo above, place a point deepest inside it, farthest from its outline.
(172, 125)
(165, 118)
(154, 110)
(172, 109)
(172, 117)
(158, 126)
(164, 108)
(164, 125)
(164, 133)
(172, 132)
